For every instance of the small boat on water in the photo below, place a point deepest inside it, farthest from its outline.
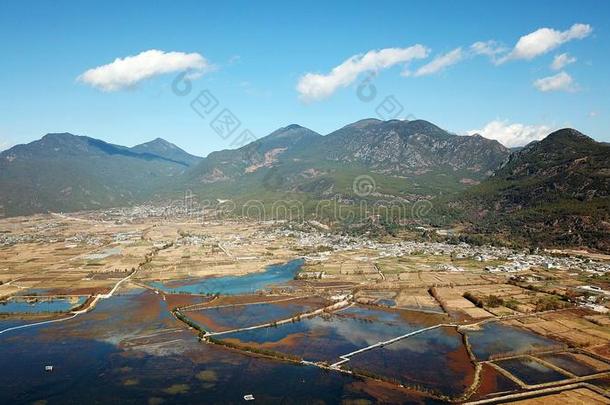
(249, 397)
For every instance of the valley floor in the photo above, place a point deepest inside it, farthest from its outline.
(172, 308)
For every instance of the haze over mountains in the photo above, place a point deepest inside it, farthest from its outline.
(65, 172)
(493, 187)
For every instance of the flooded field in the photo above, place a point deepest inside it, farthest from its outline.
(577, 364)
(249, 283)
(40, 305)
(412, 319)
(603, 383)
(230, 317)
(494, 383)
(497, 339)
(139, 353)
(325, 338)
(10, 322)
(435, 360)
(530, 371)
(134, 346)
(386, 302)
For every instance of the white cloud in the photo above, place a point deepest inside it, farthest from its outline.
(561, 61)
(127, 72)
(487, 48)
(314, 86)
(440, 63)
(511, 135)
(592, 114)
(545, 40)
(559, 82)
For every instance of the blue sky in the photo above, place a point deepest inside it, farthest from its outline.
(255, 55)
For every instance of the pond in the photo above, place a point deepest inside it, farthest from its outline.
(495, 338)
(231, 285)
(493, 382)
(325, 338)
(530, 371)
(436, 359)
(229, 317)
(40, 305)
(569, 362)
(131, 347)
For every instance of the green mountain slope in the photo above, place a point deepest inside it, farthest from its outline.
(552, 192)
(162, 148)
(65, 172)
(405, 159)
(556, 191)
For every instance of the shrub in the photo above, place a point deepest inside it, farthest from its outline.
(548, 303)
(470, 297)
(512, 304)
(494, 301)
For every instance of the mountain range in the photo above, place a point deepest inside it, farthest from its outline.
(406, 160)
(65, 172)
(553, 191)
(556, 188)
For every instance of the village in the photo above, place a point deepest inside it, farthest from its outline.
(320, 247)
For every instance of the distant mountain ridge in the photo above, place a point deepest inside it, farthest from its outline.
(262, 153)
(63, 172)
(52, 143)
(556, 190)
(565, 165)
(398, 146)
(407, 158)
(162, 148)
